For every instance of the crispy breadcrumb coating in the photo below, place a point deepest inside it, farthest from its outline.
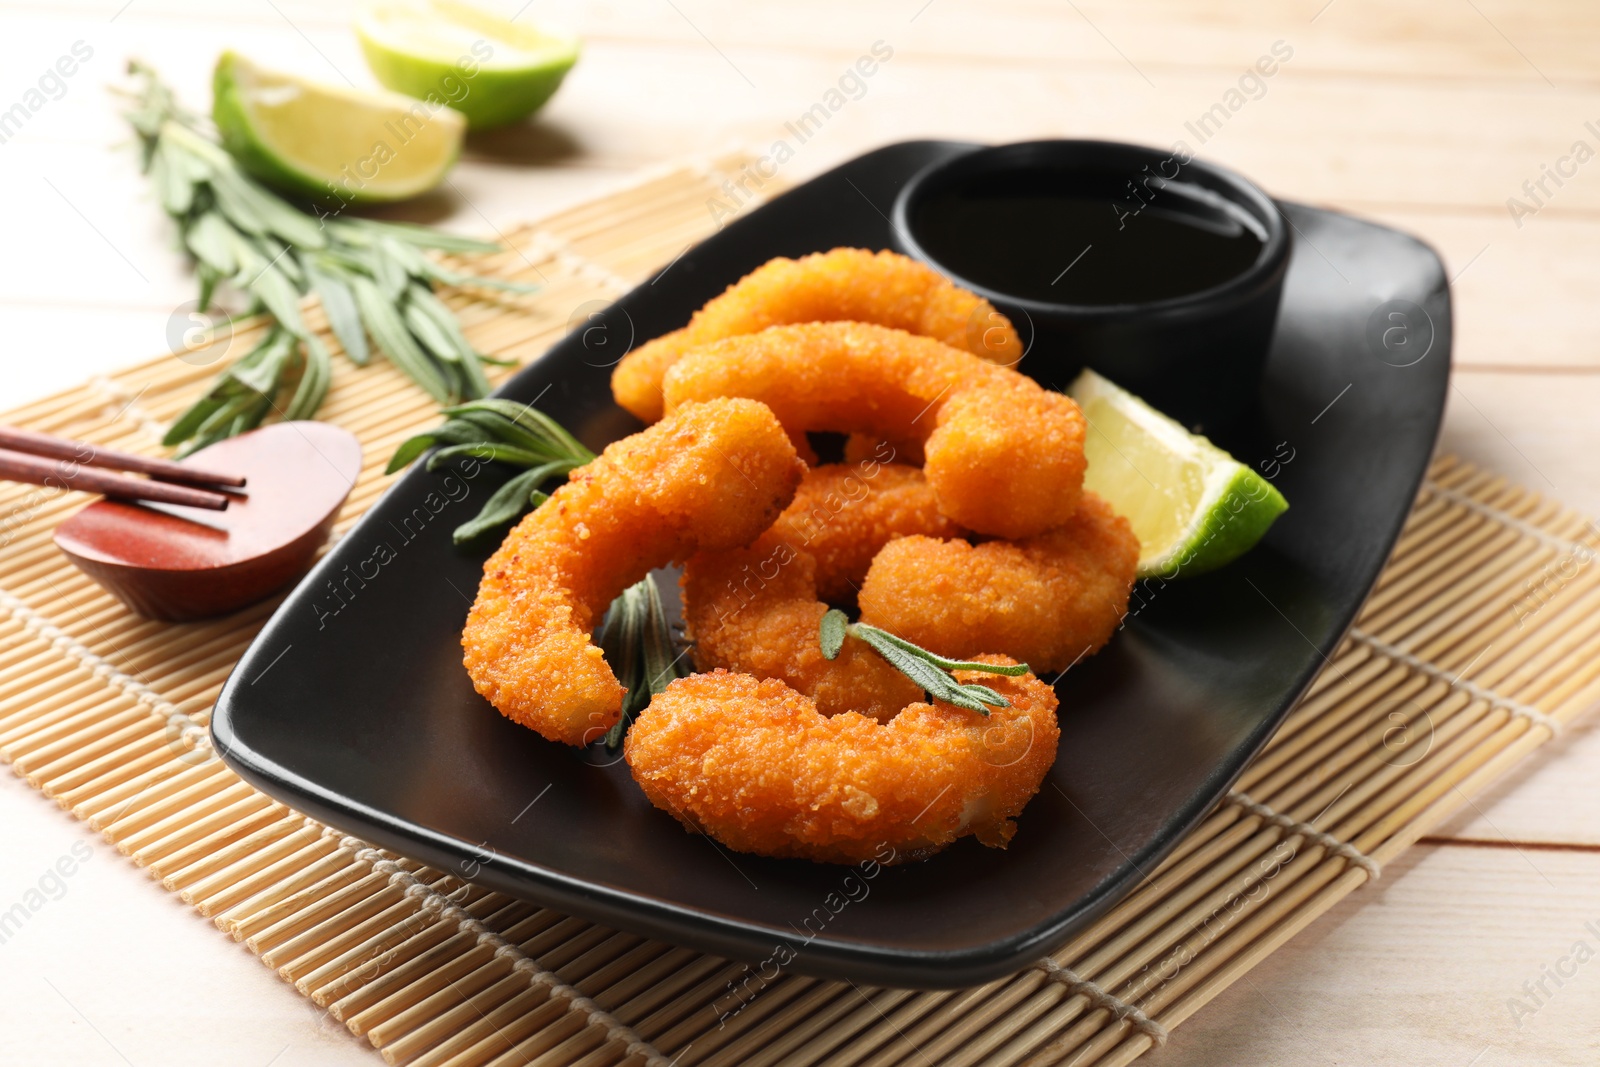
(714, 475)
(755, 610)
(844, 513)
(845, 283)
(1047, 600)
(1003, 455)
(756, 766)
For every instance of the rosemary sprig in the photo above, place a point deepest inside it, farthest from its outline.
(502, 431)
(638, 645)
(634, 633)
(373, 278)
(927, 669)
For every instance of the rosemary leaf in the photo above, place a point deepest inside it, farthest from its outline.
(277, 254)
(420, 299)
(406, 258)
(510, 501)
(409, 449)
(835, 624)
(280, 295)
(427, 331)
(460, 432)
(985, 694)
(530, 419)
(189, 423)
(425, 237)
(661, 665)
(221, 421)
(387, 328)
(208, 283)
(339, 304)
(503, 507)
(641, 653)
(622, 640)
(262, 374)
(212, 244)
(1015, 670)
(314, 380)
(172, 181)
(388, 271)
(502, 431)
(491, 451)
(928, 669)
(934, 681)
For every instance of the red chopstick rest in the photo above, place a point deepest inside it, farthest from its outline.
(181, 563)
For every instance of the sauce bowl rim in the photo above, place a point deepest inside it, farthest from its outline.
(1091, 155)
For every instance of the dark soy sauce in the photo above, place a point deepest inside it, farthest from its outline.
(1069, 238)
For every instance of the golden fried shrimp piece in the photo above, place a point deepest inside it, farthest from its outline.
(847, 283)
(844, 513)
(755, 610)
(713, 475)
(1047, 600)
(756, 766)
(863, 446)
(1003, 455)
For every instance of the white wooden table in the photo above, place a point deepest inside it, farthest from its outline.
(1426, 114)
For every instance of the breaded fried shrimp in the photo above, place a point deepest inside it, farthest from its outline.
(1046, 600)
(844, 513)
(845, 284)
(756, 766)
(755, 610)
(714, 475)
(861, 446)
(1003, 456)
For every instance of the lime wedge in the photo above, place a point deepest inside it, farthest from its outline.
(1192, 506)
(484, 65)
(330, 142)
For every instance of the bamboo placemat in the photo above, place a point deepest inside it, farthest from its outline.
(1481, 640)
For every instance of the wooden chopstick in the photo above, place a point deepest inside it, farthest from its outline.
(86, 454)
(60, 474)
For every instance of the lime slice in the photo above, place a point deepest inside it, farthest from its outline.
(490, 69)
(1192, 506)
(331, 142)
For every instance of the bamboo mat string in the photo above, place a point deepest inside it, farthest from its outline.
(562, 252)
(1099, 998)
(1294, 826)
(106, 712)
(431, 900)
(179, 722)
(126, 405)
(1506, 519)
(1456, 681)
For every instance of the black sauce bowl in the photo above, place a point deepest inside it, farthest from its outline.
(1198, 355)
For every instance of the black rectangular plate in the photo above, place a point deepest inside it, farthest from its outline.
(353, 706)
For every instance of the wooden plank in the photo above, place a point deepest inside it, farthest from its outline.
(1438, 39)
(146, 946)
(1547, 801)
(1536, 429)
(1326, 138)
(1419, 968)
